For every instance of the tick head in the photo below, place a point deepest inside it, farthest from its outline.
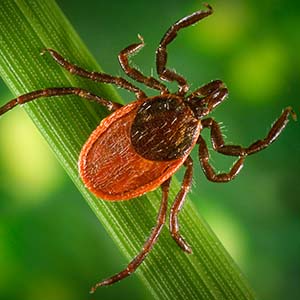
(205, 99)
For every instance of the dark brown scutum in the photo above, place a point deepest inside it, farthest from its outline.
(164, 129)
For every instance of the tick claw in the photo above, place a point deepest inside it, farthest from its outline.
(44, 50)
(209, 7)
(292, 113)
(141, 39)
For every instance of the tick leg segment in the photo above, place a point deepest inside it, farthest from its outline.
(208, 169)
(136, 74)
(161, 52)
(132, 266)
(177, 205)
(95, 76)
(50, 92)
(235, 150)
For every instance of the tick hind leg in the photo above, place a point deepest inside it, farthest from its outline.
(161, 52)
(133, 265)
(235, 150)
(136, 74)
(177, 205)
(50, 92)
(95, 76)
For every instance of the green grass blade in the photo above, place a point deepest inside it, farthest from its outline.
(26, 27)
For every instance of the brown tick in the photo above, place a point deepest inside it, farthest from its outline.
(141, 145)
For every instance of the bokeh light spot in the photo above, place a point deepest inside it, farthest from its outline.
(48, 289)
(219, 33)
(29, 168)
(258, 73)
(230, 233)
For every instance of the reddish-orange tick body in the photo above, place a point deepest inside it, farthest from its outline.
(141, 145)
(114, 168)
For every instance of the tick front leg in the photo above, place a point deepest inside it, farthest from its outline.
(50, 92)
(133, 265)
(136, 74)
(161, 52)
(236, 150)
(95, 76)
(208, 169)
(177, 205)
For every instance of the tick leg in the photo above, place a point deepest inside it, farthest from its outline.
(177, 205)
(136, 74)
(235, 150)
(95, 76)
(50, 92)
(161, 52)
(208, 169)
(132, 266)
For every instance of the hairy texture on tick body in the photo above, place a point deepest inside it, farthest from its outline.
(112, 169)
(164, 129)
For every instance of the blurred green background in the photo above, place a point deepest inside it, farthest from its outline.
(255, 50)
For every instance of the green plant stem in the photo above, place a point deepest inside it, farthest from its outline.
(26, 27)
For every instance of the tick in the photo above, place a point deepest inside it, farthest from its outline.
(139, 146)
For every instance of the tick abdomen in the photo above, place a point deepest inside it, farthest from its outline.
(111, 167)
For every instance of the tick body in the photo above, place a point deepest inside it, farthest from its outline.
(138, 147)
